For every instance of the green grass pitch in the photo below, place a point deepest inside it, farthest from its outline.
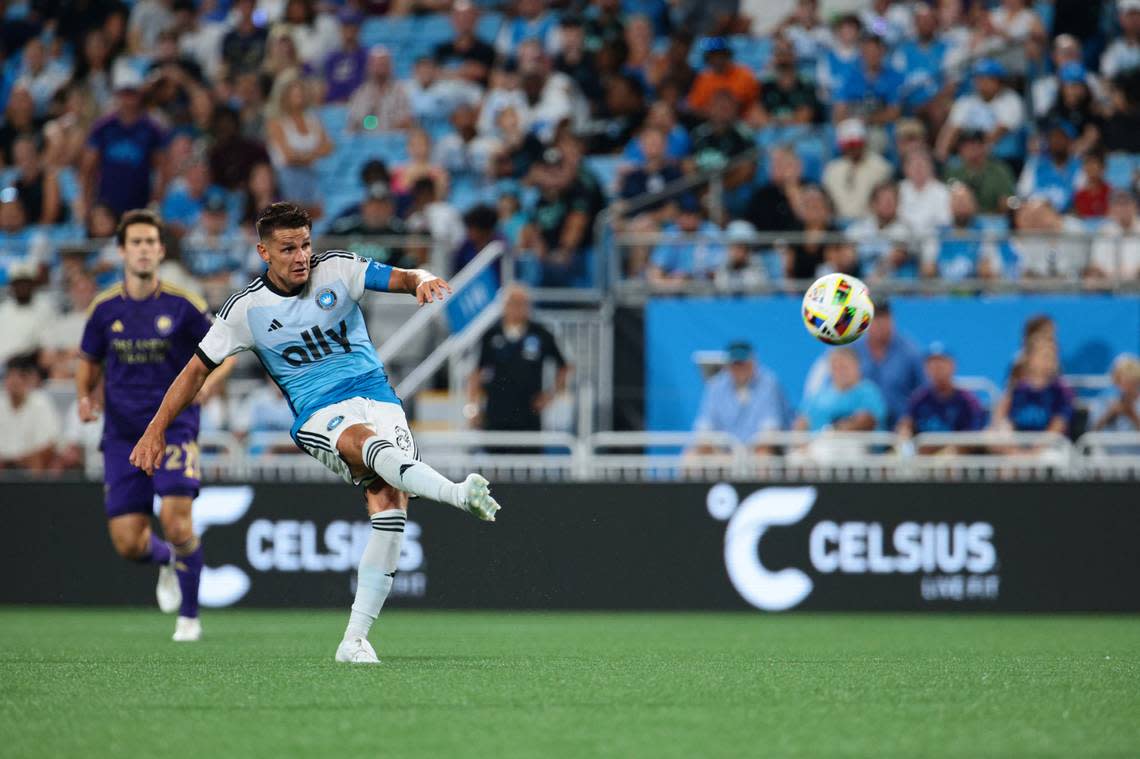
(96, 683)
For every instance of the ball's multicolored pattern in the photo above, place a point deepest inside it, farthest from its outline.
(837, 309)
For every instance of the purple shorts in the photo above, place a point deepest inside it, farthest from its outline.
(127, 489)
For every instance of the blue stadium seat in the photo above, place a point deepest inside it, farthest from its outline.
(333, 118)
(993, 222)
(1120, 169)
(605, 168)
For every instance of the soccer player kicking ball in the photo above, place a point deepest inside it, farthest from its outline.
(141, 333)
(302, 320)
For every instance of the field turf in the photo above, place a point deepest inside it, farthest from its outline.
(96, 683)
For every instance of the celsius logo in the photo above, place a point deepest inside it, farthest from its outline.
(941, 550)
(225, 585)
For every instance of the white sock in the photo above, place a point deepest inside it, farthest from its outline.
(377, 570)
(401, 471)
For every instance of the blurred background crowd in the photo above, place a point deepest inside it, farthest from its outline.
(942, 141)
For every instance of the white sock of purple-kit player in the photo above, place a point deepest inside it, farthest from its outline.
(377, 570)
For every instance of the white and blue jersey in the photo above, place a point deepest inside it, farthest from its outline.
(312, 341)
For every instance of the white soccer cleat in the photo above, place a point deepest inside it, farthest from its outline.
(356, 651)
(477, 497)
(168, 591)
(187, 630)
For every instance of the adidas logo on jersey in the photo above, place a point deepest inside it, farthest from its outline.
(274, 325)
(316, 346)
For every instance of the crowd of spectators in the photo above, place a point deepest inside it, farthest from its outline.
(886, 382)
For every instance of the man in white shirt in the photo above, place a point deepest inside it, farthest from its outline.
(850, 178)
(1116, 249)
(924, 202)
(28, 418)
(22, 314)
(882, 239)
(1124, 52)
(993, 109)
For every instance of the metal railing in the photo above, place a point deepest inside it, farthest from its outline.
(685, 455)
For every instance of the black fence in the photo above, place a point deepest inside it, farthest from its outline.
(965, 547)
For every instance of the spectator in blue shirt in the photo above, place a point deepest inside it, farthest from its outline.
(656, 172)
(960, 251)
(673, 261)
(1056, 173)
(939, 406)
(848, 403)
(743, 400)
(873, 88)
(186, 196)
(891, 361)
(921, 61)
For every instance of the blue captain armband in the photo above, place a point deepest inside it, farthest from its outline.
(377, 276)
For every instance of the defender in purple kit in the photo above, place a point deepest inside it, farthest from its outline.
(139, 335)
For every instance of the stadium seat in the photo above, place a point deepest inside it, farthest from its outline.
(606, 168)
(1120, 170)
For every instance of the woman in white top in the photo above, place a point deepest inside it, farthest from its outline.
(1015, 35)
(297, 140)
(924, 202)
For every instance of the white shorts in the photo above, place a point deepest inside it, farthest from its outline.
(319, 435)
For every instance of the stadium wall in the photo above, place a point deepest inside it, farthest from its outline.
(691, 546)
(983, 332)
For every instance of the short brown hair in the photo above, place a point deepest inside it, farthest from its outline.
(137, 216)
(282, 216)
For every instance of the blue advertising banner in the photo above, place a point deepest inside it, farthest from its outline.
(983, 332)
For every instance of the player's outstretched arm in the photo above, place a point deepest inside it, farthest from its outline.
(419, 282)
(151, 447)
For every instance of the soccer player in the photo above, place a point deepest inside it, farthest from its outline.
(140, 333)
(302, 320)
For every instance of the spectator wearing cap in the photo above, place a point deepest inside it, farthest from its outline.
(655, 173)
(1116, 248)
(530, 22)
(232, 155)
(883, 239)
(848, 402)
(992, 108)
(1044, 91)
(891, 360)
(1076, 106)
(343, 69)
(123, 164)
(675, 260)
(850, 177)
(938, 405)
(962, 250)
(1055, 173)
(1091, 200)
(786, 97)
(465, 55)
(28, 417)
(742, 267)
(211, 253)
(23, 315)
(989, 179)
(743, 400)
(380, 103)
(1124, 52)
(721, 73)
(244, 46)
(873, 89)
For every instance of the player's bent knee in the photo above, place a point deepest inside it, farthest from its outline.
(350, 443)
(380, 496)
(131, 547)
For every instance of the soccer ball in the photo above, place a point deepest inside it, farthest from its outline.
(837, 309)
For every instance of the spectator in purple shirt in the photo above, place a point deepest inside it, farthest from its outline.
(1039, 401)
(939, 406)
(343, 69)
(123, 162)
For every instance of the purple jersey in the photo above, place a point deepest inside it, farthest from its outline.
(957, 412)
(125, 153)
(344, 73)
(143, 345)
(1031, 409)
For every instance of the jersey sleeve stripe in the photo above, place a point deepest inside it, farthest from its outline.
(210, 363)
(224, 311)
(194, 299)
(111, 292)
